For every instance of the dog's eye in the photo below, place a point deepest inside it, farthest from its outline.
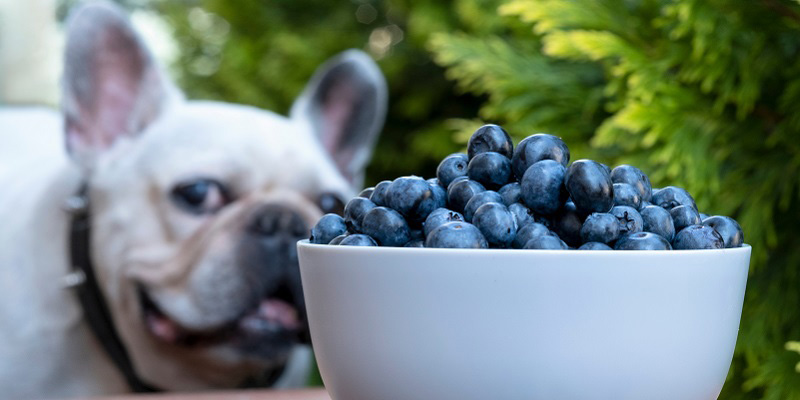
(200, 196)
(330, 203)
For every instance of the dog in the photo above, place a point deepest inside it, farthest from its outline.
(194, 209)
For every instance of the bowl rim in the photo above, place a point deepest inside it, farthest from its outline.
(305, 243)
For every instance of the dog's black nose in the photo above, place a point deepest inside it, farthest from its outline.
(277, 220)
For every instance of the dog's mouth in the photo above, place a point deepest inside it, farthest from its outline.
(275, 318)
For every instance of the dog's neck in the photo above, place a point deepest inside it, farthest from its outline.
(83, 281)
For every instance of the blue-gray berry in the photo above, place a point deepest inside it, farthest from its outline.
(387, 227)
(642, 241)
(496, 224)
(542, 187)
(538, 147)
(659, 221)
(589, 186)
(600, 227)
(696, 237)
(728, 228)
(327, 228)
(358, 239)
(461, 235)
(440, 217)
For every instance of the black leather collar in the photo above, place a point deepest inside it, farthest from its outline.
(95, 309)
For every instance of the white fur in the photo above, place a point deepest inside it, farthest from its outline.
(46, 348)
(44, 338)
(42, 333)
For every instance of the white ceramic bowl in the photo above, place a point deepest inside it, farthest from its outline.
(440, 324)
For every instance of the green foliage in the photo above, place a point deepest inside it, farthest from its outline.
(263, 53)
(703, 94)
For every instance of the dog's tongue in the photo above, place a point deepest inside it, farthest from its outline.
(270, 313)
(163, 328)
(279, 312)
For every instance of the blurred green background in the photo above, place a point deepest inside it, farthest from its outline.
(701, 94)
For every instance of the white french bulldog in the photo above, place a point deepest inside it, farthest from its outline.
(195, 208)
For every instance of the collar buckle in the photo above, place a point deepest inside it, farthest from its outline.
(73, 279)
(76, 205)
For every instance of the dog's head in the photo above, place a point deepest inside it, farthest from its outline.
(197, 206)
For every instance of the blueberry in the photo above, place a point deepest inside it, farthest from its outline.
(630, 221)
(538, 147)
(698, 237)
(703, 216)
(594, 246)
(416, 234)
(452, 167)
(522, 214)
(645, 204)
(542, 187)
(659, 221)
(496, 223)
(671, 197)
(545, 220)
(415, 243)
(379, 193)
(327, 228)
(589, 186)
(642, 241)
(461, 235)
(366, 193)
(459, 178)
(490, 138)
(607, 168)
(527, 232)
(439, 217)
(728, 229)
(634, 177)
(337, 240)
(387, 227)
(358, 240)
(683, 216)
(354, 213)
(626, 195)
(460, 192)
(439, 194)
(567, 223)
(600, 227)
(478, 200)
(412, 197)
(490, 169)
(546, 242)
(510, 193)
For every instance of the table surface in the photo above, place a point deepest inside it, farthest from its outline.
(308, 394)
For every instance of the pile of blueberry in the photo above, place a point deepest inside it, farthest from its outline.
(528, 197)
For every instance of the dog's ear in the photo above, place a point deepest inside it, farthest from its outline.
(112, 87)
(345, 102)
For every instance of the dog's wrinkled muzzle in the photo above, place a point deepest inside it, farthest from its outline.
(274, 317)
